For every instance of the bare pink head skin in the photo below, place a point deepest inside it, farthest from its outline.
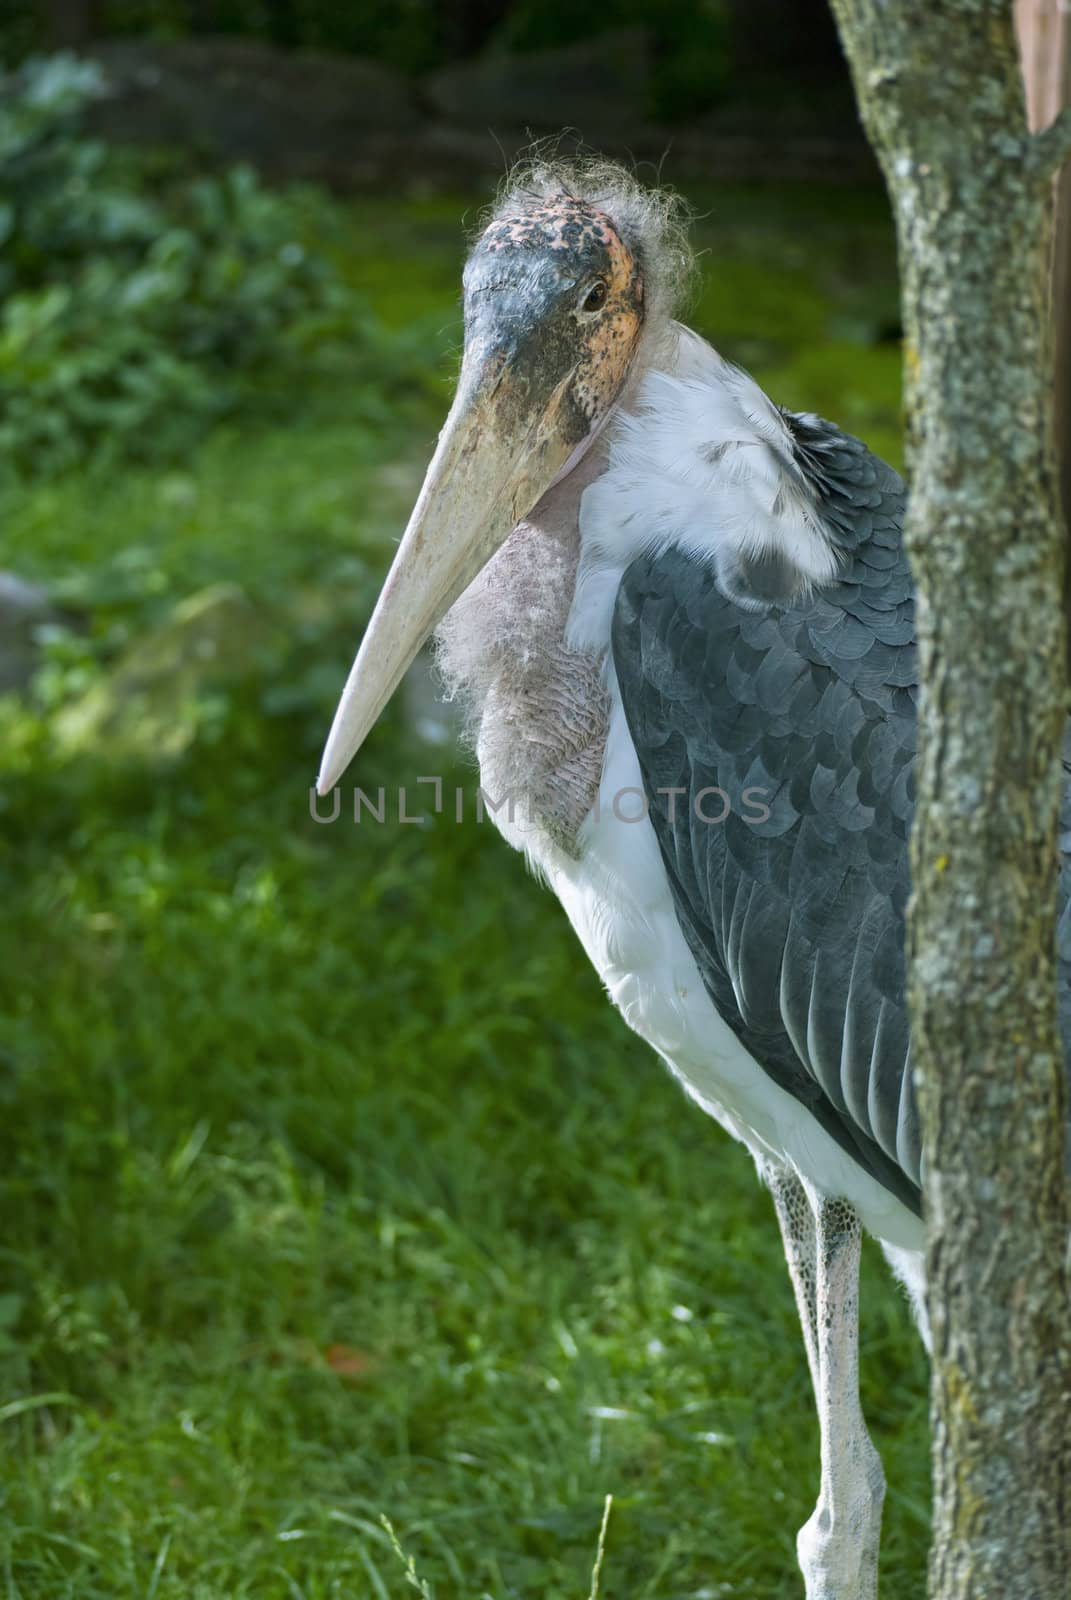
(557, 293)
(554, 313)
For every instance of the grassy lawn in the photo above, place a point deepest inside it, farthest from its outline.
(331, 1186)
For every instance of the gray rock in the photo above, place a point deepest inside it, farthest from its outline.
(354, 124)
(594, 86)
(244, 100)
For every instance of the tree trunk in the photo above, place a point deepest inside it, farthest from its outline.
(1045, 43)
(941, 94)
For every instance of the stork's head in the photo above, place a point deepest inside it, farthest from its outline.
(553, 313)
(557, 294)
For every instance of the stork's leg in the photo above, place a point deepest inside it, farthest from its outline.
(838, 1546)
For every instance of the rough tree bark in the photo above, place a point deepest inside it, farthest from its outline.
(1044, 28)
(941, 94)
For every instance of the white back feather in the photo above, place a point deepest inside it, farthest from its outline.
(703, 459)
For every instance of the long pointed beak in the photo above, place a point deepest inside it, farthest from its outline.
(497, 454)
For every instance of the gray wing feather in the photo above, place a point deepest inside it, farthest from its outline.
(796, 917)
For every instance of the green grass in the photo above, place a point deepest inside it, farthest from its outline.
(332, 1186)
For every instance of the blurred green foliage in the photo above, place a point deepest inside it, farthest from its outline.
(139, 303)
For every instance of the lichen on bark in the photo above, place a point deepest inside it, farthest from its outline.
(940, 93)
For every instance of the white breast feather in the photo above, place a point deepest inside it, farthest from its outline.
(702, 459)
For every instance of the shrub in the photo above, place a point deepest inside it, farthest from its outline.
(137, 306)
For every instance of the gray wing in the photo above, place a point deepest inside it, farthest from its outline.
(803, 715)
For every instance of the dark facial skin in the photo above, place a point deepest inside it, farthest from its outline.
(553, 296)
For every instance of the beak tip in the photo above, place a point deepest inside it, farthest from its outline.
(328, 776)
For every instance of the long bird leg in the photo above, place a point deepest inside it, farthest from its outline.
(838, 1545)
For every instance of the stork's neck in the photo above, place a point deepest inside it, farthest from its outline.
(536, 710)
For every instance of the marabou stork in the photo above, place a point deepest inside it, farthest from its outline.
(673, 599)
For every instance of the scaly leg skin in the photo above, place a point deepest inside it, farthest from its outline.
(838, 1545)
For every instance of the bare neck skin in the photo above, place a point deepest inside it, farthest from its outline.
(537, 710)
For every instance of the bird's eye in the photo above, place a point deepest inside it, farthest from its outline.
(596, 297)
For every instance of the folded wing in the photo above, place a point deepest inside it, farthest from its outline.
(776, 737)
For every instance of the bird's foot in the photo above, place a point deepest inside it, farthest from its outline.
(838, 1549)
